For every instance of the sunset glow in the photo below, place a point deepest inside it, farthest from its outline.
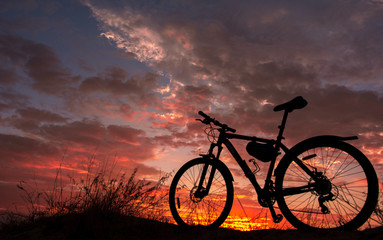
(100, 82)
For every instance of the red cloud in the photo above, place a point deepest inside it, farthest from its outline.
(126, 134)
(15, 149)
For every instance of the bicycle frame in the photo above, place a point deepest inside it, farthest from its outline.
(320, 183)
(265, 194)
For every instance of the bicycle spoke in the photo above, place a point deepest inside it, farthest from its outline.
(338, 194)
(205, 211)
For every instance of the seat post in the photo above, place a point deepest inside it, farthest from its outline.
(282, 128)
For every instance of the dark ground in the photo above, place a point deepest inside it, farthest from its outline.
(90, 226)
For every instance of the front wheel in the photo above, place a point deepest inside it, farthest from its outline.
(188, 206)
(345, 191)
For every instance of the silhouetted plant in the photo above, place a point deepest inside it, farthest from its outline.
(378, 212)
(98, 192)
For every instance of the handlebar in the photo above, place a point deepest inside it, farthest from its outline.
(204, 115)
(208, 120)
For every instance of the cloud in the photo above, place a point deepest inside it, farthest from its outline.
(72, 144)
(326, 37)
(38, 61)
(8, 76)
(239, 64)
(11, 99)
(117, 82)
(73, 122)
(232, 60)
(40, 115)
(16, 148)
(126, 134)
(86, 132)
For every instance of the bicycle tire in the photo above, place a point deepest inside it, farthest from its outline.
(210, 211)
(354, 186)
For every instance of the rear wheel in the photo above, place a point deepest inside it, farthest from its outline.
(189, 207)
(344, 195)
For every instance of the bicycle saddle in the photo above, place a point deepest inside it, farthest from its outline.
(297, 103)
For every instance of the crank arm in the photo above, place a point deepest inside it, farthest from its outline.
(277, 218)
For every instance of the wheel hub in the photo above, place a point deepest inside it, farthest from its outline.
(325, 191)
(194, 194)
(322, 185)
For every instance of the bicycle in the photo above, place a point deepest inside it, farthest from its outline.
(320, 183)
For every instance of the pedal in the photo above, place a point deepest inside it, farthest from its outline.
(277, 218)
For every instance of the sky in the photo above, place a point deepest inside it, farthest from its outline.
(122, 81)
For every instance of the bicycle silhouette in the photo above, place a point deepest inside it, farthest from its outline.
(320, 183)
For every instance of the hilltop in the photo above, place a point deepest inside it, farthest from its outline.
(116, 227)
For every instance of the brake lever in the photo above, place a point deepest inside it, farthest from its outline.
(205, 121)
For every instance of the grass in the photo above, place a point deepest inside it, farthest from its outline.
(96, 205)
(98, 195)
(378, 212)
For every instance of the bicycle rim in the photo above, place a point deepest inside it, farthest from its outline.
(350, 187)
(210, 210)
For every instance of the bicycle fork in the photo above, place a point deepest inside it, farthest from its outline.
(202, 191)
